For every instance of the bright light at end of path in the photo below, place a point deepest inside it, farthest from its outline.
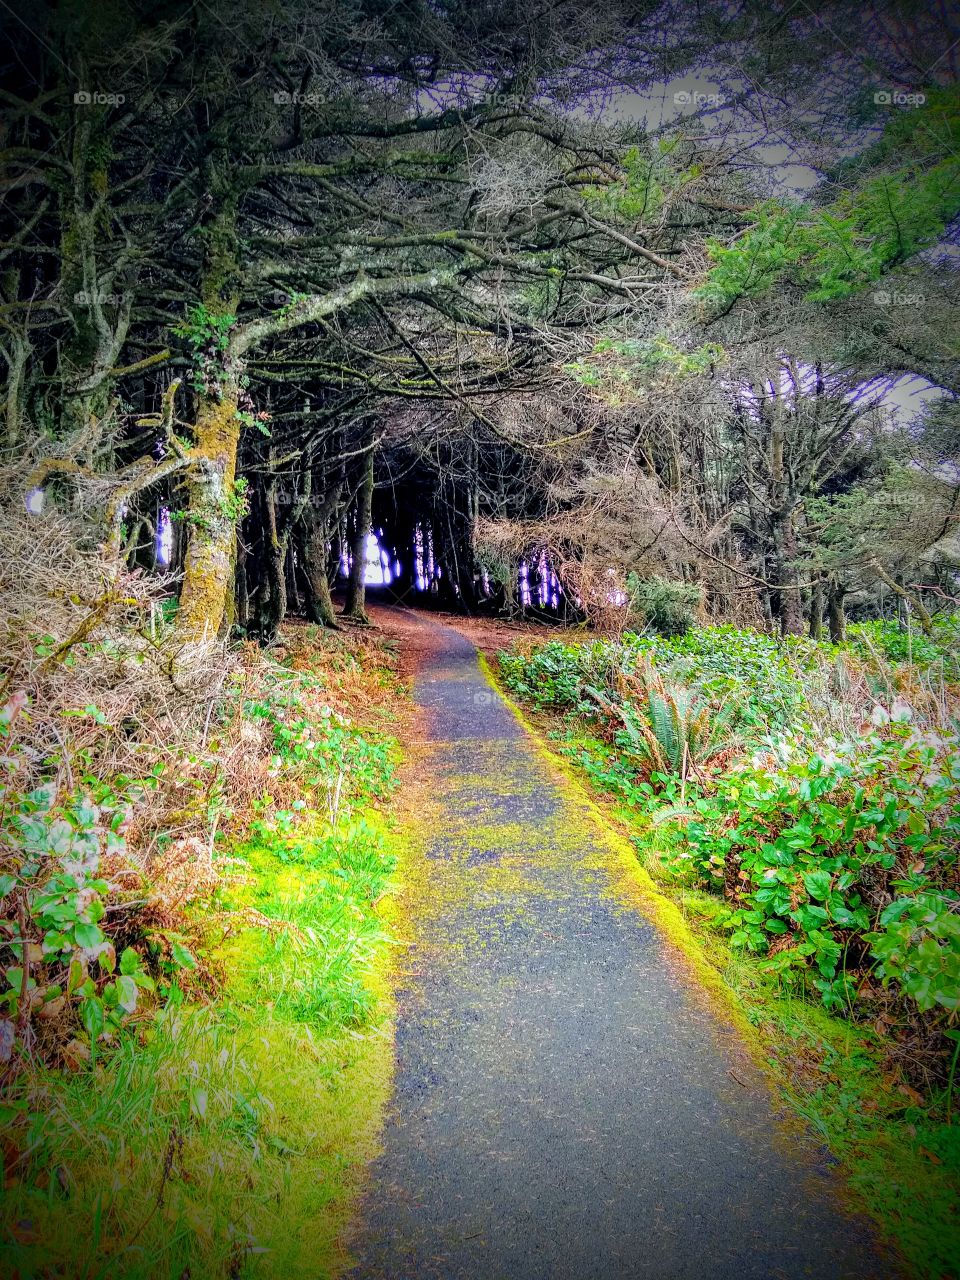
(164, 537)
(376, 568)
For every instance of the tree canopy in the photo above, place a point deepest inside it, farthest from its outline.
(502, 278)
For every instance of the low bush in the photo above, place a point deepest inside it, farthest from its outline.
(898, 643)
(843, 861)
(767, 679)
(669, 608)
(668, 728)
(556, 675)
(192, 1056)
(829, 825)
(224, 1050)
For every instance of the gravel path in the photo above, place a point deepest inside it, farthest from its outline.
(566, 1105)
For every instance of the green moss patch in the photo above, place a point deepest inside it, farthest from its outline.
(229, 1140)
(899, 1159)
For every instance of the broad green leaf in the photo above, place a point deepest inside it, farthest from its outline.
(88, 936)
(92, 1016)
(818, 884)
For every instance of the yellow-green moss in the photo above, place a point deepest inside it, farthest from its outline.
(827, 1070)
(211, 532)
(636, 889)
(265, 1129)
(333, 1115)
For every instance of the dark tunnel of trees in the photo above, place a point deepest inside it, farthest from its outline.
(272, 279)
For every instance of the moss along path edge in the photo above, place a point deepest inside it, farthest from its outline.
(568, 1100)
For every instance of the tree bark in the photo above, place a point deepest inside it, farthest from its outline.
(212, 508)
(835, 612)
(294, 599)
(211, 518)
(241, 589)
(356, 588)
(275, 550)
(816, 611)
(790, 605)
(312, 540)
(908, 597)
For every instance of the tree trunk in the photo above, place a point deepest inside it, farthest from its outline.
(211, 518)
(312, 539)
(98, 327)
(241, 589)
(14, 409)
(458, 587)
(356, 588)
(835, 612)
(816, 611)
(213, 509)
(786, 596)
(275, 550)
(908, 597)
(294, 599)
(791, 612)
(766, 609)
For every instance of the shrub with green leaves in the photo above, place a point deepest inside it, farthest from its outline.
(843, 861)
(556, 675)
(669, 608)
(61, 856)
(322, 749)
(667, 727)
(837, 860)
(902, 644)
(762, 677)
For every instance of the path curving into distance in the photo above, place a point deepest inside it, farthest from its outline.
(567, 1104)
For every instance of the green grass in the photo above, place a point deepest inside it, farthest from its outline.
(226, 1141)
(313, 962)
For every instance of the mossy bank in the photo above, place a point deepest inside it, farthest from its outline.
(225, 1130)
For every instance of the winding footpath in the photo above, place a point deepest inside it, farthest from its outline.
(568, 1104)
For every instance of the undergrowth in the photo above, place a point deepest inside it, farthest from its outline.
(801, 803)
(198, 1046)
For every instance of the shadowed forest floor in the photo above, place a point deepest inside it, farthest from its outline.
(568, 1102)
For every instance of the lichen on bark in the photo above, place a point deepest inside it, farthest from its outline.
(211, 517)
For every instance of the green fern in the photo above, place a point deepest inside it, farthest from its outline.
(668, 726)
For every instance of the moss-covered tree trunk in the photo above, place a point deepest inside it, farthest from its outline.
(356, 588)
(213, 506)
(211, 517)
(275, 554)
(816, 611)
(319, 602)
(910, 599)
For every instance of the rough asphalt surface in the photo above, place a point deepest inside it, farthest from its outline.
(566, 1105)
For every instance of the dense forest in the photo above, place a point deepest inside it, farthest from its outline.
(633, 320)
(265, 276)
